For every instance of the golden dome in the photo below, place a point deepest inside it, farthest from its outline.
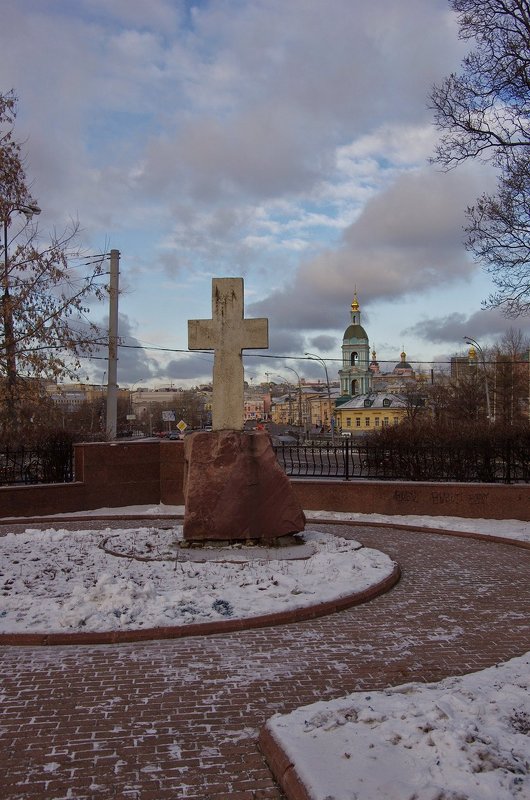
(355, 303)
(472, 354)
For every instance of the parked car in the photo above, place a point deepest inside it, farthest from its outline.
(284, 440)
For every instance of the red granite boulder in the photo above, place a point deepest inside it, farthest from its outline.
(235, 490)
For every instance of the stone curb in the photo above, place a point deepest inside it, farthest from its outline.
(483, 537)
(316, 521)
(282, 768)
(228, 626)
(87, 518)
(205, 628)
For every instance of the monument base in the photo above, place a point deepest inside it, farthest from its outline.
(235, 490)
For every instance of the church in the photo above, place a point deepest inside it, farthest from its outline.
(368, 398)
(355, 375)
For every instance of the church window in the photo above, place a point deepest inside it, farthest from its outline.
(354, 360)
(354, 387)
(357, 422)
(367, 422)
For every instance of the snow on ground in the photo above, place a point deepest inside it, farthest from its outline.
(463, 738)
(59, 580)
(505, 528)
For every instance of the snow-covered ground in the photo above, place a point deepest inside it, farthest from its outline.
(463, 738)
(505, 528)
(59, 580)
(62, 580)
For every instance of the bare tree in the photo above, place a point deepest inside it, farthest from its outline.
(509, 369)
(458, 400)
(484, 113)
(45, 290)
(415, 396)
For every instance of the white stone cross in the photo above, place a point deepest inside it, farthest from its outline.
(227, 334)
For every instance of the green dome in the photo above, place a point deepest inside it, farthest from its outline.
(355, 332)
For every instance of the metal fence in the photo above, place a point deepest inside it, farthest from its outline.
(348, 460)
(36, 465)
(487, 463)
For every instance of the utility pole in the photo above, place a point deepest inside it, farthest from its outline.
(112, 373)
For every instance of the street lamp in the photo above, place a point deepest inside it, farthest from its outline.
(318, 358)
(299, 394)
(290, 418)
(475, 344)
(29, 210)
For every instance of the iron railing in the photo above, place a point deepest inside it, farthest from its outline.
(485, 463)
(349, 460)
(36, 465)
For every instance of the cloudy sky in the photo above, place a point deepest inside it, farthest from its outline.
(284, 141)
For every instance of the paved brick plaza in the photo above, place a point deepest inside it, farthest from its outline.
(180, 718)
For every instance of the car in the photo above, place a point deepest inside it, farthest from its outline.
(284, 440)
(173, 435)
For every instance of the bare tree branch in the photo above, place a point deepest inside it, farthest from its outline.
(484, 113)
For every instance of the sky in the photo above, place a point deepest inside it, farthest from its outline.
(287, 143)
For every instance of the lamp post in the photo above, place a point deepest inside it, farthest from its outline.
(299, 394)
(29, 210)
(290, 416)
(475, 344)
(318, 358)
(132, 391)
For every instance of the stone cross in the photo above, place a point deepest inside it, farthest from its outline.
(227, 334)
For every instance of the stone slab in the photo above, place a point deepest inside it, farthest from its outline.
(235, 490)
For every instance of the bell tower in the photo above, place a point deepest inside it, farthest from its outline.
(355, 375)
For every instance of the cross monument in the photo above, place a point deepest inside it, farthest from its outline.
(228, 333)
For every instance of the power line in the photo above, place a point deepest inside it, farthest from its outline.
(293, 358)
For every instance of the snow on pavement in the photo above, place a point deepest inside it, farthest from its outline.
(465, 738)
(59, 580)
(505, 528)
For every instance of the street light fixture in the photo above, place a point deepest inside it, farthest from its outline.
(290, 417)
(318, 358)
(299, 394)
(29, 210)
(475, 344)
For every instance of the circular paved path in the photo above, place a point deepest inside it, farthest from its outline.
(180, 718)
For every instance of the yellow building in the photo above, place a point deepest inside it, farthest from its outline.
(308, 408)
(370, 412)
(75, 394)
(320, 410)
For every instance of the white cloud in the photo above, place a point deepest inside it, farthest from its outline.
(283, 141)
(406, 240)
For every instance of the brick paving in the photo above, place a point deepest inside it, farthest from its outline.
(180, 718)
